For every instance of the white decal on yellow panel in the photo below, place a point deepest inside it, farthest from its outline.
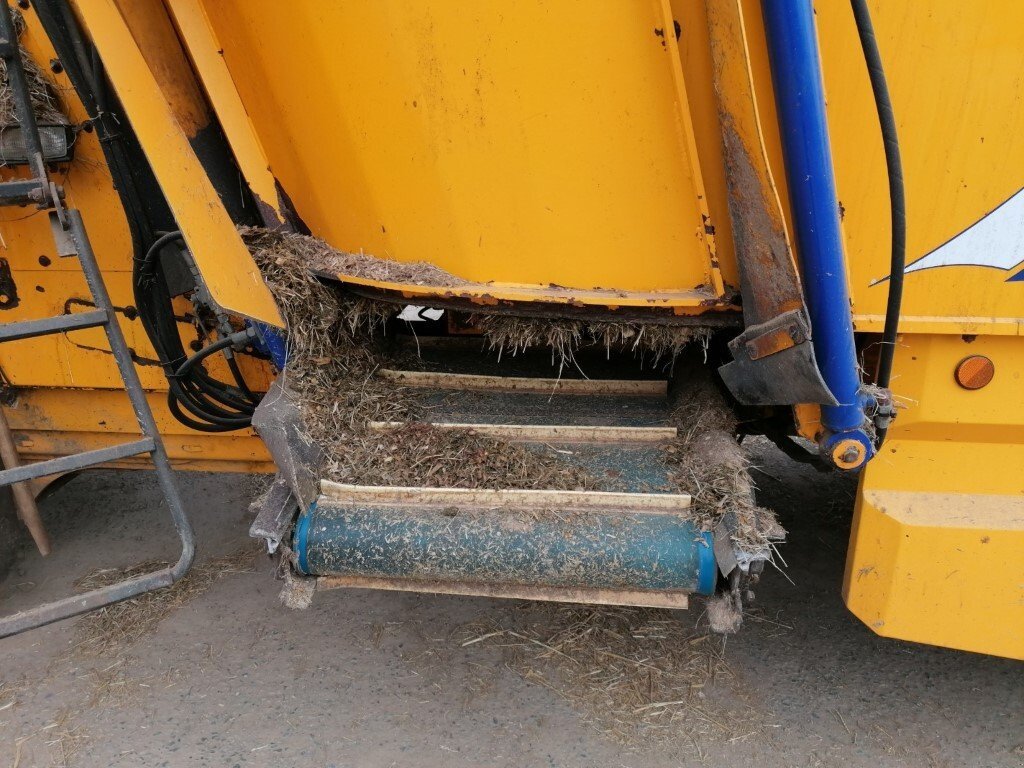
(996, 241)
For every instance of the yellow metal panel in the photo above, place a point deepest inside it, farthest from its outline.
(944, 569)
(227, 266)
(936, 548)
(58, 422)
(954, 73)
(204, 48)
(82, 358)
(695, 58)
(521, 142)
(691, 302)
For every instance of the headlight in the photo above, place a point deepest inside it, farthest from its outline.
(57, 142)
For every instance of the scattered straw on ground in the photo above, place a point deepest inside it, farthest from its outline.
(639, 675)
(9, 692)
(111, 629)
(64, 738)
(45, 103)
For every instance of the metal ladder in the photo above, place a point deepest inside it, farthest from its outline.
(71, 241)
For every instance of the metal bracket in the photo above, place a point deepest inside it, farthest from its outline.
(275, 512)
(774, 363)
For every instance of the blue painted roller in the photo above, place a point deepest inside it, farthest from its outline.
(593, 549)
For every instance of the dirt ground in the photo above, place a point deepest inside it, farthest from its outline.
(231, 678)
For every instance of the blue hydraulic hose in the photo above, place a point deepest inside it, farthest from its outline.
(800, 98)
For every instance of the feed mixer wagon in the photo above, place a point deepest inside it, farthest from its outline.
(499, 290)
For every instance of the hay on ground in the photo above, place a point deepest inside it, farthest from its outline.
(122, 624)
(46, 104)
(639, 675)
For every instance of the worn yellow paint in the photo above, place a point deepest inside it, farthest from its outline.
(57, 422)
(694, 301)
(153, 32)
(204, 48)
(525, 144)
(938, 536)
(67, 392)
(230, 274)
(954, 77)
(519, 143)
(740, 118)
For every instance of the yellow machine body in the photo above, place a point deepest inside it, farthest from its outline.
(571, 153)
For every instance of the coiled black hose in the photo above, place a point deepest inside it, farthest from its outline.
(196, 400)
(194, 397)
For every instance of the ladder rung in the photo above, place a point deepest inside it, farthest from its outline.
(75, 461)
(26, 329)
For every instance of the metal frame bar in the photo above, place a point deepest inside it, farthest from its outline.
(20, 192)
(72, 240)
(10, 51)
(97, 598)
(27, 329)
(74, 462)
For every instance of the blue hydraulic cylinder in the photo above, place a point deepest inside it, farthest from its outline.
(800, 98)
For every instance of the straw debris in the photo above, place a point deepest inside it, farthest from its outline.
(711, 465)
(335, 346)
(46, 105)
(638, 675)
(318, 257)
(654, 343)
(109, 630)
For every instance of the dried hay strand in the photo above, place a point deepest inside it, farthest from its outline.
(638, 675)
(335, 346)
(63, 739)
(111, 629)
(421, 454)
(46, 104)
(9, 692)
(710, 464)
(314, 255)
(652, 342)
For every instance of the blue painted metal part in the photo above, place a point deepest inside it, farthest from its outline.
(800, 98)
(270, 341)
(599, 549)
(301, 537)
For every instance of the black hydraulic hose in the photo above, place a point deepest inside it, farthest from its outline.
(215, 406)
(897, 199)
(203, 353)
(149, 259)
(203, 396)
(236, 374)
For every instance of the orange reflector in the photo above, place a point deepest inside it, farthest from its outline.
(974, 372)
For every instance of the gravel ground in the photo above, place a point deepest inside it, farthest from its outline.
(230, 678)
